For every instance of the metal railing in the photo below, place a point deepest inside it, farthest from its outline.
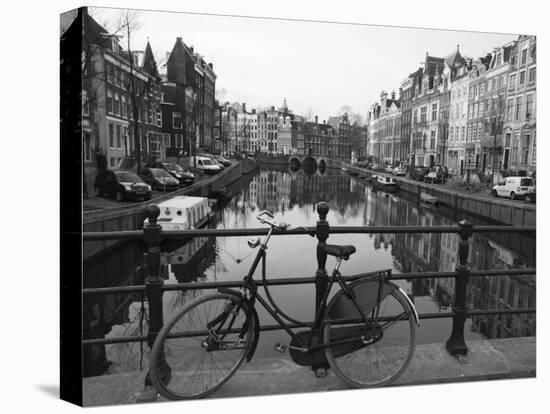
(154, 287)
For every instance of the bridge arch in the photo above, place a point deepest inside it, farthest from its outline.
(295, 161)
(310, 161)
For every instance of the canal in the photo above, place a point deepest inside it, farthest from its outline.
(291, 195)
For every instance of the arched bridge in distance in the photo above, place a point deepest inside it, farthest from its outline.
(313, 161)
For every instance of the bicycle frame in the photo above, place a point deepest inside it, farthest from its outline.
(249, 288)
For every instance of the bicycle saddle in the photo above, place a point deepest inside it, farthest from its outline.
(339, 251)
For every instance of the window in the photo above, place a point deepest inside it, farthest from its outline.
(476, 91)
(512, 83)
(482, 89)
(451, 134)
(515, 144)
(510, 109)
(124, 107)
(109, 102)
(179, 141)
(130, 109)
(474, 132)
(87, 147)
(499, 57)
(476, 110)
(434, 112)
(112, 161)
(432, 139)
(423, 112)
(532, 74)
(469, 133)
(503, 80)
(470, 111)
(159, 119)
(463, 134)
(522, 77)
(176, 120)
(118, 78)
(525, 151)
(524, 56)
(471, 92)
(118, 137)
(166, 140)
(489, 85)
(117, 104)
(125, 139)
(457, 111)
(519, 103)
(111, 136)
(85, 103)
(529, 102)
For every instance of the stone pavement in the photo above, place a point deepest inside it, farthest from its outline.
(486, 360)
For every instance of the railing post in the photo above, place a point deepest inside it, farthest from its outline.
(456, 344)
(320, 364)
(322, 232)
(153, 280)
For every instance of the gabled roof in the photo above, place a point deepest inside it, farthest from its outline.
(149, 64)
(454, 58)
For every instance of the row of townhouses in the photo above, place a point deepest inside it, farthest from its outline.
(279, 131)
(135, 110)
(464, 113)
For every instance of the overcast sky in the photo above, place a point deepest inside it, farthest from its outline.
(317, 66)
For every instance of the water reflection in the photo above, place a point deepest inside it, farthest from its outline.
(292, 194)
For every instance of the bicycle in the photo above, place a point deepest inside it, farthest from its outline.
(204, 344)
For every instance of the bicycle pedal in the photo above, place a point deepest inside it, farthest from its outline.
(279, 348)
(320, 372)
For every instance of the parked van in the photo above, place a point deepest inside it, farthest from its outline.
(204, 165)
(514, 187)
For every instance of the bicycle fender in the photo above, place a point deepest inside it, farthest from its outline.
(254, 316)
(411, 304)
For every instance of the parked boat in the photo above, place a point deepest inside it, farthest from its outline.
(384, 183)
(183, 213)
(429, 199)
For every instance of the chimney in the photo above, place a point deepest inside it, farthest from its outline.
(316, 119)
(393, 95)
(244, 107)
(192, 50)
(272, 108)
(211, 65)
(324, 121)
(179, 39)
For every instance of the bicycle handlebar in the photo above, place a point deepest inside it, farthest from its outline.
(281, 226)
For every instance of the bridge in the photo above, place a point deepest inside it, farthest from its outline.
(318, 161)
(456, 345)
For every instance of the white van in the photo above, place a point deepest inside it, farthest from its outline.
(514, 187)
(204, 165)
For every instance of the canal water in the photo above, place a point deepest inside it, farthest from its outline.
(292, 195)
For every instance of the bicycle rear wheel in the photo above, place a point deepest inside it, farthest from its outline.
(201, 347)
(372, 353)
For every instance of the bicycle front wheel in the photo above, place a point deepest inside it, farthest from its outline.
(201, 347)
(372, 352)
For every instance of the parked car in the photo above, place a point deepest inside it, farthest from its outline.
(399, 171)
(159, 179)
(205, 165)
(176, 171)
(432, 177)
(514, 187)
(121, 185)
(222, 160)
(418, 173)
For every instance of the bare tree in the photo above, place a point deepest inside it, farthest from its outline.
(354, 118)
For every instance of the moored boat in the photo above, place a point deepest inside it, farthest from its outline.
(384, 183)
(183, 213)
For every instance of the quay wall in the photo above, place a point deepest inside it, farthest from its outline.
(495, 209)
(130, 217)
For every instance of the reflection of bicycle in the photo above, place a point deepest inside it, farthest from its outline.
(366, 332)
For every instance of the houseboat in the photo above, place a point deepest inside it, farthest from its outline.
(384, 183)
(183, 213)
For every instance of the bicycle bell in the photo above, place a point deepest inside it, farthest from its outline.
(254, 242)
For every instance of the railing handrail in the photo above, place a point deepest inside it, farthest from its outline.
(154, 286)
(179, 234)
